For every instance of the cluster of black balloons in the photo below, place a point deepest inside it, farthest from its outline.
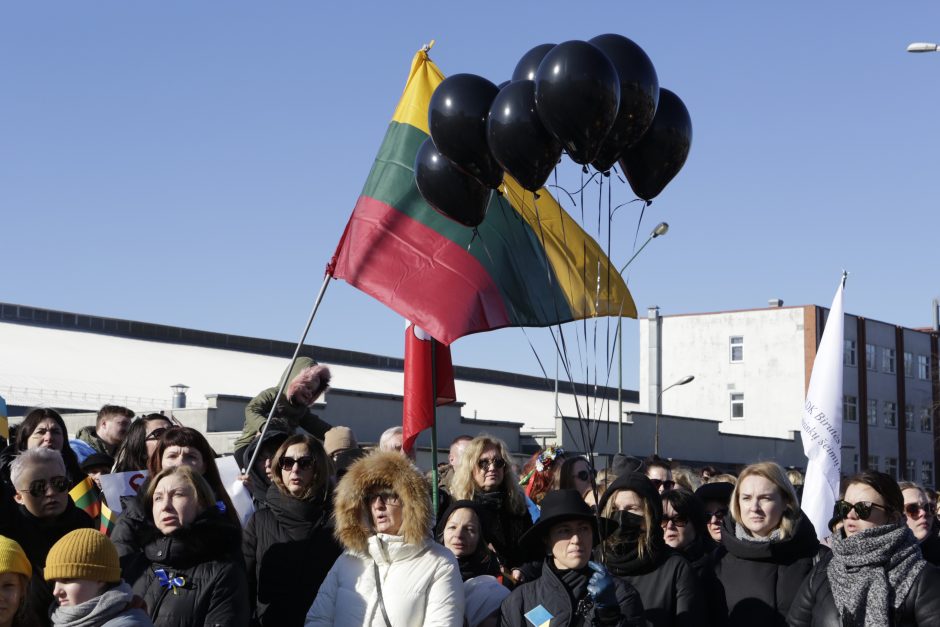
(598, 100)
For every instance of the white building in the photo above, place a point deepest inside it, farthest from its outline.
(752, 368)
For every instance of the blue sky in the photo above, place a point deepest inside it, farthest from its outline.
(194, 164)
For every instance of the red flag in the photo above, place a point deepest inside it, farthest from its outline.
(418, 410)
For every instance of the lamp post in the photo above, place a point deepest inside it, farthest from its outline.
(659, 408)
(921, 47)
(661, 229)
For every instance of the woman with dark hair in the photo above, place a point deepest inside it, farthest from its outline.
(190, 571)
(578, 474)
(637, 552)
(289, 546)
(461, 530)
(875, 574)
(42, 428)
(178, 446)
(768, 547)
(142, 438)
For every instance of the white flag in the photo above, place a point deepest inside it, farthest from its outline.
(821, 426)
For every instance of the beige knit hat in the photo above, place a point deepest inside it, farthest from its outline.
(83, 554)
(339, 439)
(13, 559)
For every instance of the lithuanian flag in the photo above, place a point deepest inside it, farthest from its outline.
(87, 496)
(531, 265)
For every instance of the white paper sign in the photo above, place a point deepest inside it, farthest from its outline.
(120, 484)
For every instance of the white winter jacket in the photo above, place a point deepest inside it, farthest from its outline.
(421, 585)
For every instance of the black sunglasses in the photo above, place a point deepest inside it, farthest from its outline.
(287, 463)
(678, 521)
(496, 462)
(718, 513)
(666, 485)
(156, 433)
(914, 509)
(862, 509)
(38, 487)
(585, 475)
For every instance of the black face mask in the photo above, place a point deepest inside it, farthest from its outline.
(630, 525)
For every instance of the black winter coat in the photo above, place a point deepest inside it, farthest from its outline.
(503, 529)
(671, 593)
(550, 593)
(36, 536)
(132, 525)
(206, 554)
(701, 557)
(760, 579)
(289, 549)
(814, 605)
(930, 548)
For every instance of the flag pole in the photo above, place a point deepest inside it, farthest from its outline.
(434, 477)
(303, 337)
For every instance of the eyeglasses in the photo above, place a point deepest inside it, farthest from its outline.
(496, 462)
(287, 463)
(156, 433)
(666, 485)
(585, 475)
(914, 509)
(678, 521)
(718, 514)
(862, 509)
(386, 496)
(38, 487)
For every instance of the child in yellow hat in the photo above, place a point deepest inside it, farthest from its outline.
(88, 588)
(15, 571)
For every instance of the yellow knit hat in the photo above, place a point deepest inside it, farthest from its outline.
(13, 559)
(83, 554)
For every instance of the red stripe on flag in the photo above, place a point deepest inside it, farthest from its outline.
(417, 405)
(420, 274)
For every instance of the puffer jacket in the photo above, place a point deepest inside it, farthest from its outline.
(550, 594)
(814, 605)
(419, 579)
(760, 579)
(289, 549)
(205, 582)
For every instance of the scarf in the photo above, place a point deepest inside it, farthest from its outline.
(575, 581)
(741, 534)
(872, 571)
(490, 500)
(480, 562)
(623, 556)
(94, 611)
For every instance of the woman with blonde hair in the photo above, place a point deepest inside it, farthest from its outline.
(485, 476)
(768, 547)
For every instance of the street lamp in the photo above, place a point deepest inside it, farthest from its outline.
(659, 408)
(661, 229)
(922, 47)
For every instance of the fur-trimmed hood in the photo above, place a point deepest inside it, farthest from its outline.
(381, 469)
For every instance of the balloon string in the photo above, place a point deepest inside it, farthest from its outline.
(476, 234)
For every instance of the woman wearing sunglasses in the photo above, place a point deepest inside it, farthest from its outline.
(637, 553)
(484, 475)
(875, 574)
(44, 513)
(289, 546)
(919, 513)
(768, 547)
(392, 573)
(142, 438)
(578, 474)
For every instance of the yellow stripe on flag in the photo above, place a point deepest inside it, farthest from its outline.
(422, 81)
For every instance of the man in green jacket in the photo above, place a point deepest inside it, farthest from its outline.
(109, 431)
(307, 382)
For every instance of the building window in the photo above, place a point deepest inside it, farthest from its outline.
(891, 414)
(908, 364)
(848, 353)
(849, 408)
(923, 368)
(873, 462)
(909, 419)
(926, 473)
(891, 467)
(870, 361)
(872, 412)
(888, 361)
(926, 423)
(855, 463)
(737, 349)
(737, 406)
(911, 470)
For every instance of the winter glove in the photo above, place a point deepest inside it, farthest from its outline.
(602, 588)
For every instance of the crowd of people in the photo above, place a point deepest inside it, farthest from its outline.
(342, 534)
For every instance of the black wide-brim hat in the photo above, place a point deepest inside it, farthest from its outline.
(718, 491)
(560, 506)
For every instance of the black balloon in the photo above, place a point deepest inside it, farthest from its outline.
(517, 138)
(655, 160)
(639, 94)
(529, 63)
(457, 119)
(447, 189)
(577, 93)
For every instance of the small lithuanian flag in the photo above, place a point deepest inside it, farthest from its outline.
(88, 497)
